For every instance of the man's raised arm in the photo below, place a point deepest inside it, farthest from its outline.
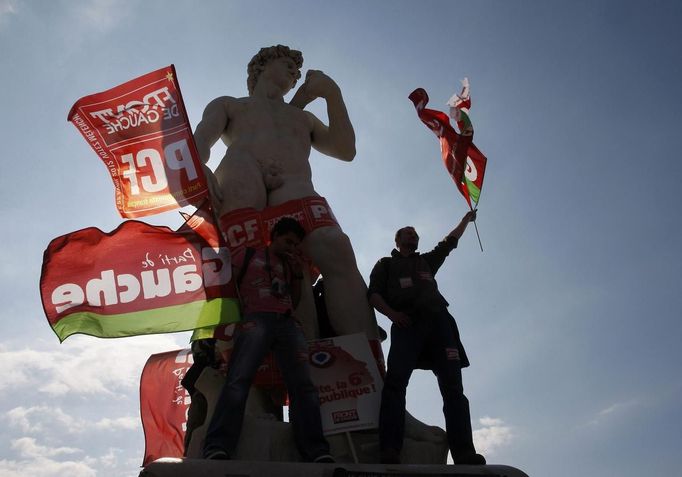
(461, 227)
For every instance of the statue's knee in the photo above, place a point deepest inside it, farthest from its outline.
(331, 249)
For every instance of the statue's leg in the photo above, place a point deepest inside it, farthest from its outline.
(345, 290)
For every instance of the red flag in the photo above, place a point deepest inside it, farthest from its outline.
(164, 404)
(464, 162)
(202, 222)
(137, 279)
(141, 132)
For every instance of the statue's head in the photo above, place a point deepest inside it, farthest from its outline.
(260, 60)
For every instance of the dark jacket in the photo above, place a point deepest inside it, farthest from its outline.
(408, 284)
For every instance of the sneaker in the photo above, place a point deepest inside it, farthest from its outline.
(390, 456)
(324, 459)
(470, 459)
(217, 454)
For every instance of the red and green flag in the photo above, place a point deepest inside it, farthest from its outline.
(463, 160)
(138, 279)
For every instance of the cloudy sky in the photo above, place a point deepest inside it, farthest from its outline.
(572, 314)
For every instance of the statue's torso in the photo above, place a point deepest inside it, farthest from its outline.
(267, 139)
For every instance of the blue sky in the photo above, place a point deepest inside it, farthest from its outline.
(571, 316)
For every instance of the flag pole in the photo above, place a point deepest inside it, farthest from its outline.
(476, 227)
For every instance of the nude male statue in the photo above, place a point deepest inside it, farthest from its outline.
(267, 164)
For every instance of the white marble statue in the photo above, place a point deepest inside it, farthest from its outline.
(267, 163)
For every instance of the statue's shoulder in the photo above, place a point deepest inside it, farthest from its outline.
(226, 104)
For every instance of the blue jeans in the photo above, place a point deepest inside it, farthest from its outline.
(258, 334)
(432, 333)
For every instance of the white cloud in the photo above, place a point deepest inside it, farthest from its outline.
(40, 461)
(609, 412)
(27, 447)
(37, 419)
(45, 468)
(7, 7)
(619, 406)
(125, 423)
(492, 436)
(83, 365)
(489, 421)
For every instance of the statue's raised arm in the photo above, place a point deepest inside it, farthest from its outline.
(338, 139)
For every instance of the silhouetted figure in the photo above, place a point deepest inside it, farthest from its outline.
(403, 288)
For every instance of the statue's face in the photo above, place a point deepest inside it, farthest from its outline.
(282, 72)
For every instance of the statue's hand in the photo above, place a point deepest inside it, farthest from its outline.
(316, 85)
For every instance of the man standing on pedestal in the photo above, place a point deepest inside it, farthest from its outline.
(269, 290)
(403, 288)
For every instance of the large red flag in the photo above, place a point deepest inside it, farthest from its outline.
(164, 404)
(463, 160)
(140, 131)
(137, 279)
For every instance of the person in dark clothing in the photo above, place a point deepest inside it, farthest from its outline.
(403, 288)
(269, 292)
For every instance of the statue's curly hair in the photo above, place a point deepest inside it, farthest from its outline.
(260, 59)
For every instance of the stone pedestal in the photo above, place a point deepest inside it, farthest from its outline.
(215, 468)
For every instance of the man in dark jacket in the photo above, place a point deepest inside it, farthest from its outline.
(403, 288)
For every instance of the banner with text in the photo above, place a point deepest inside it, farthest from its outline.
(348, 382)
(249, 227)
(342, 368)
(137, 279)
(141, 132)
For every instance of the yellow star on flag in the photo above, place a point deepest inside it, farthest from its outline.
(169, 76)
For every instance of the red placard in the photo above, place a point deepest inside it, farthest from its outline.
(141, 132)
